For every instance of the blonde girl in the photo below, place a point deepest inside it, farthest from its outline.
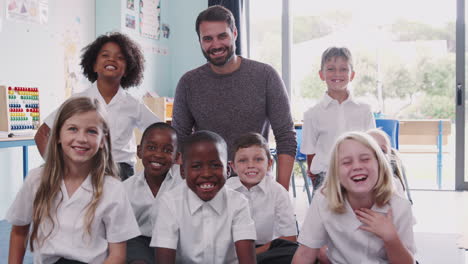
(356, 214)
(77, 208)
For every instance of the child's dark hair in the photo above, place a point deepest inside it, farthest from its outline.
(131, 50)
(251, 139)
(334, 52)
(216, 13)
(205, 136)
(158, 125)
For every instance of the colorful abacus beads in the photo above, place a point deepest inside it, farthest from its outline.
(23, 103)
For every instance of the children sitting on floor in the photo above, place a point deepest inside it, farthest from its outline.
(269, 202)
(158, 152)
(356, 213)
(75, 204)
(203, 221)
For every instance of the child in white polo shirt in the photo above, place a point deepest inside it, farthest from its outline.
(75, 204)
(203, 221)
(336, 113)
(357, 214)
(113, 63)
(158, 152)
(269, 202)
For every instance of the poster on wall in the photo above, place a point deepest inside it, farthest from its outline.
(130, 21)
(131, 4)
(35, 11)
(150, 18)
(72, 42)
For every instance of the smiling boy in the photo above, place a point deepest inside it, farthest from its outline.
(336, 113)
(203, 221)
(158, 152)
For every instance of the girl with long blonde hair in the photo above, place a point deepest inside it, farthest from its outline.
(356, 213)
(76, 205)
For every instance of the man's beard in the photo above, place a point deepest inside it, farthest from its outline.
(220, 61)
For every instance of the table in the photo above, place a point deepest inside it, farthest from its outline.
(19, 142)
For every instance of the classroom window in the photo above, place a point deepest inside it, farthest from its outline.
(404, 58)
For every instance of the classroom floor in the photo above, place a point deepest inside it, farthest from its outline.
(442, 219)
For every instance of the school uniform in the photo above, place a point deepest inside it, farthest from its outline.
(346, 242)
(124, 113)
(325, 122)
(142, 200)
(199, 231)
(113, 221)
(273, 214)
(270, 207)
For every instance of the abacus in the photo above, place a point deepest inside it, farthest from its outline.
(19, 109)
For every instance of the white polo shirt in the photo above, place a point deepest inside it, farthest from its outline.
(124, 113)
(270, 207)
(326, 121)
(113, 220)
(199, 231)
(346, 242)
(142, 199)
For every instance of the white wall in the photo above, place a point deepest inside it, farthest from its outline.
(34, 55)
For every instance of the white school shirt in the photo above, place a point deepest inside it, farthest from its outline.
(113, 220)
(346, 242)
(124, 113)
(326, 121)
(142, 199)
(270, 207)
(199, 231)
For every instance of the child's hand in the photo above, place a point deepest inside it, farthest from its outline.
(377, 223)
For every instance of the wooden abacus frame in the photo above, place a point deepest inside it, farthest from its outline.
(5, 114)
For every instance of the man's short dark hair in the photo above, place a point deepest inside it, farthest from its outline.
(216, 13)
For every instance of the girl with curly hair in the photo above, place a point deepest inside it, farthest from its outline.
(113, 63)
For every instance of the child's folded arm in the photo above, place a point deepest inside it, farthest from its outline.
(165, 255)
(245, 250)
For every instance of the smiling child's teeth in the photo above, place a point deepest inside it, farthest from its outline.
(359, 178)
(80, 148)
(206, 186)
(110, 67)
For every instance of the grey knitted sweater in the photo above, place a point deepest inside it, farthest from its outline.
(247, 100)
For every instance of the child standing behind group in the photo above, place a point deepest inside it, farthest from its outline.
(393, 158)
(158, 152)
(336, 113)
(357, 214)
(269, 202)
(202, 221)
(113, 63)
(76, 205)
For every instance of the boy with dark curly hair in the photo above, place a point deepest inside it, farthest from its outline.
(113, 63)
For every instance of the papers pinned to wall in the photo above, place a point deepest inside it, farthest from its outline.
(33, 11)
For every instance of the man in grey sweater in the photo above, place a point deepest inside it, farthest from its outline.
(232, 95)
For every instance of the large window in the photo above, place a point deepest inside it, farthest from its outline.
(404, 58)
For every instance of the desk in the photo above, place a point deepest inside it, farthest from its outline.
(19, 142)
(434, 132)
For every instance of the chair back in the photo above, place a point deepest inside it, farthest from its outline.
(392, 128)
(299, 156)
